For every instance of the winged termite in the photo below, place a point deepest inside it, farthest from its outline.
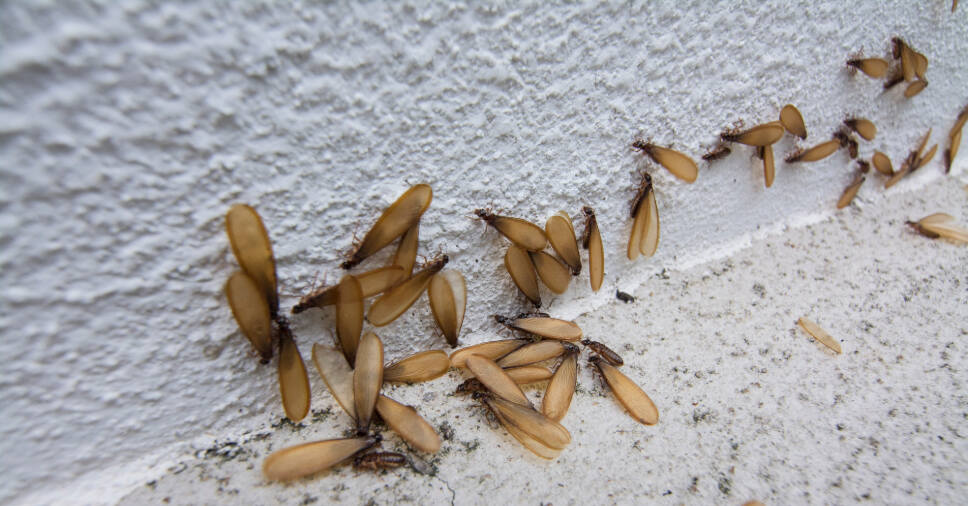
(882, 163)
(864, 128)
(548, 432)
(850, 191)
(542, 326)
(592, 241)
(518, 263)
(915, 87)
(250, 244)
(310, 458)
(561, 235)
(818, 152)
(940, 225)
(819, 334)
(644, 238)
(675, 162)
(376, 461)
(367, 379)
(251, 311)
(926, 158)
(448, 299)
(952, 151)
(906, 55)
(406, 255)
(873, 67)
(521, 232)
(405, 421)
(524, 375)
(847, 141)
(535, 352)
(721, 150)
(561, 388)
(491, 349)
(792, 121)
(423, 366)
(349, 315)
(760, 135)
(372, 283)
(492, 376)
(630, 395)
(604, 351)
(864, 166)
(519, 424)
(398, 299)
(624, 297)
(337, 375)
(395, 221)
(769, 167)
(293, 381)
(553, 272)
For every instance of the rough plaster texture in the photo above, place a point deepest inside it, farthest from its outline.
(126, 131)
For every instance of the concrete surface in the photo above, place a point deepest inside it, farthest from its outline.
(127, 129)
(750, 406)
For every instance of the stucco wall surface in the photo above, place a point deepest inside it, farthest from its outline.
(127, 129)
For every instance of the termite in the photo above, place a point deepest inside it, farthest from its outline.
(398, 299)
(873, 67)
(592, 241)
(629, 394)
(395, 221)
(675, 162)
(624, 297)
(448, 300)
(760, 135)
(310, 458)
(521, 232)
(850, 191)
(542, 326)
(603, 351)
(865, 128)
(818, 152)
(543, 436)
(940, 225)
(644, 237)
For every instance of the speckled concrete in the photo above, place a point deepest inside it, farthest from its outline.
(750, 406)
(127, 129)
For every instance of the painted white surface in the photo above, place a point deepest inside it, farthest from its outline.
(126, 131)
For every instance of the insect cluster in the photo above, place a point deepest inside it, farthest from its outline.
(355, 369)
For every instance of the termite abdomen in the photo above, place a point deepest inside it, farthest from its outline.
(380, 460)
(624, 297)
(603, 351)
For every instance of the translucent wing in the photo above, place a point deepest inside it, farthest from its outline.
(561, 388)
(423, 366)
(337, 375)
(760, 135)
(551, 328)
(405, 421)
(561, 235)
(650, 231)
(394, 222)
(367, 379)
(251, 246)
(792, 121)
(398, 299)
(293, 380)
(819, 334)
(406, 255)
(251, 311)
(519, 265)
(630, 395)
(553, 273)
(496, 380)
(310, 458)
(491, 349)
(448, 297)
(349, 315)
(532, 353)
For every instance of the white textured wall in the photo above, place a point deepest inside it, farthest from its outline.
(126, 131)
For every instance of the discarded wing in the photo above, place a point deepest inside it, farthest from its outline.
(553, 272)
(644, 238)
(873, 67)
(521, 232)
(769, 167)
(561, 388)
(630, 395)
(534, 352)
(816, 153)
(293, 380)
(519, 265)
(423, 366)
(926, 158)
(882, 163)
(310, 458)
(605, 352)
(941, 225)
(915, 88)
(349, 315)
(760, 135)
(496, 379)
(252, 249)
(675, 162)
(251, 311)
(542, 326)
(850, 191)
(395, 221)
(592, 241)
(448, 300)
(367, 379)
(337, 375)
(406, 255)
(398, 299)
(491, 349)
(561, 235)
(819, 334)
(405, 421)
(864, 128)
(952, 151)
(372, 283)
(792, 121)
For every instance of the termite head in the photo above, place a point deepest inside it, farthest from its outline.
(470, 386)
(485, 214)
(897, 45)
(570, 348)
(481, 396)
(594, 360)
(588, 212)
(795, 156)
(503, 320)
(864, 166)
(644, 146)
(437, 263)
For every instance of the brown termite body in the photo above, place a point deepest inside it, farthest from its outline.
(624, 297)
(603, 351)
(376, 461)
(719, 152)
